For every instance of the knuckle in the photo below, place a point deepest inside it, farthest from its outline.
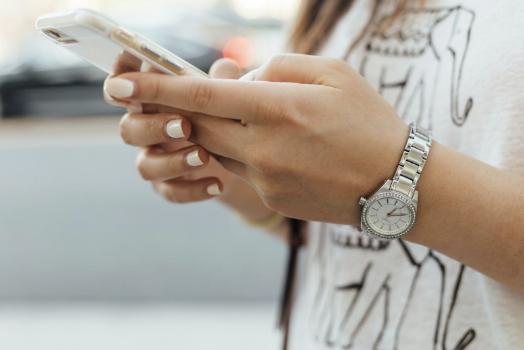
(141, 166)
(299, 120)
(335, 66)
(335, 63)
(124, 129)
(176, 166)
(155, 89)
(157, 187)
(199, 95)
(278, 109)
(286, 111)
(154, 131)
(171, 195)
(273, 66)
(142, 170)
(276, 60)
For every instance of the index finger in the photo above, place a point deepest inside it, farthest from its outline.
(124, 62)
(224, 98)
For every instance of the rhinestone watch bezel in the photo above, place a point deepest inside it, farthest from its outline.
(366, 227)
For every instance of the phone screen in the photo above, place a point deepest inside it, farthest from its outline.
(121, 52)
(110, 46)
(103, 52)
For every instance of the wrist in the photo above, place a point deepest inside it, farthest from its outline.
(391, 211)
(380, 165)
(430, 188)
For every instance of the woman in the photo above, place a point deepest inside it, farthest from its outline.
(318, 133)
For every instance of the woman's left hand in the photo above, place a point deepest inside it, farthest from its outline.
(314, 137)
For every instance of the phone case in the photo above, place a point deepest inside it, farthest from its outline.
(104, 43)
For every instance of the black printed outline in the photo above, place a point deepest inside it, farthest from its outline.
(325, 310)
(457, 117)
(323, 304)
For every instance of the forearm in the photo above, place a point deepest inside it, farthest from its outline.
(473, 213)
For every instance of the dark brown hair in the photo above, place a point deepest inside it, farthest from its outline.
(317, 19)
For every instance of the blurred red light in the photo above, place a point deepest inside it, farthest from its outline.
(240, 50)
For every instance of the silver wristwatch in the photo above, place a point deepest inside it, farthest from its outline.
(391, 211)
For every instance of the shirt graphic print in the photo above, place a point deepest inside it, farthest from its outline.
(450, 67)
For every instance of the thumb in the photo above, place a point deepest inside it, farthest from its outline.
(225, 69)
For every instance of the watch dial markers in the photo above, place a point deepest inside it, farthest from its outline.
(389, 216)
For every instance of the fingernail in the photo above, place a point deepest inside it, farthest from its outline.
(193, 159)
(107, 95)
(213, 190)
(135, 107)
(120, 88)
(112, 101)
(174, 130)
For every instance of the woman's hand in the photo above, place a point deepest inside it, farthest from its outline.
(179, 170)
(315, 135)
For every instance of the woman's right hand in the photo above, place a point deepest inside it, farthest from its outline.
(179, 171)
(171, 163)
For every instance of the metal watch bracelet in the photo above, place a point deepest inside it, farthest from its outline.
(412, 161)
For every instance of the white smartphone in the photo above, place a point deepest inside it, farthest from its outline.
(108, 45)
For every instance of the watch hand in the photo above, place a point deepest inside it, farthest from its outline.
(389, 214)
(398, 214)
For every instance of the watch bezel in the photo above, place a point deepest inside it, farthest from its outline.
(367, 228)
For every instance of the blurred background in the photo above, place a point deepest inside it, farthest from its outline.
(90, 257)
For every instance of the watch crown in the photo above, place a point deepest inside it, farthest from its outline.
(362, 201)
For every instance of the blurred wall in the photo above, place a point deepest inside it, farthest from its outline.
(76, 221)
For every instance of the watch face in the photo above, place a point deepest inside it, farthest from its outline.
(389, 215)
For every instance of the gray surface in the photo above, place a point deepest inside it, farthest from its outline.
(78, 222)
(139, 326)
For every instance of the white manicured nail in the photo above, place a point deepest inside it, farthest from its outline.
(193, 159)
(106, 95)
(120, 88)
(213, 190)
(174, 129)
(112, 101)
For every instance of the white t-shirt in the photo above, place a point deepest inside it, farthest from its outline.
(457, 67)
